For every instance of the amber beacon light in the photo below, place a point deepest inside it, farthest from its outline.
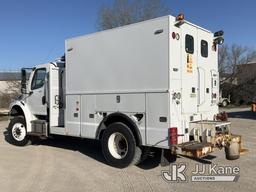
(180, 17)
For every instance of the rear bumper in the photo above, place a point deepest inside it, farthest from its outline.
(197, 149)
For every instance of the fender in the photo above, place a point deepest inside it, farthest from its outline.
(120, 117)
(26, 111)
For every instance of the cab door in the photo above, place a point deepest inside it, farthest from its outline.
(36, 99)
(189, 68)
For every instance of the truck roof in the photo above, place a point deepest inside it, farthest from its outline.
(150, 20)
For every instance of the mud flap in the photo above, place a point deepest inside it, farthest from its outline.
(167, 157)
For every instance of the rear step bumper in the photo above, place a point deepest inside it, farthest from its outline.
(231, 143)
(196, 149)
(208, 136)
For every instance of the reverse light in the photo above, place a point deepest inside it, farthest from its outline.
(173, 136)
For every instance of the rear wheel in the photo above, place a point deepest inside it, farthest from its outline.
(119, 146)
(17, 131)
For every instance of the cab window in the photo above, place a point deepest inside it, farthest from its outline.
(189, 41)
(38, 79)
(204, 48)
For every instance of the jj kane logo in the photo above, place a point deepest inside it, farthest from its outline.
(201, 173)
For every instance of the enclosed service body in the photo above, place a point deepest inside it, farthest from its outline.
(145, 68)
(155, 78)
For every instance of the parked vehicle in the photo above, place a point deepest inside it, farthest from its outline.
(224, 101)
(149, 84)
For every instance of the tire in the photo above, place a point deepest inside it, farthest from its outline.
(119, 146)
(224, 103)
(17, 131)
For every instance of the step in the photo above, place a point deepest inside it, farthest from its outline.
(39, 128)
(196, 149)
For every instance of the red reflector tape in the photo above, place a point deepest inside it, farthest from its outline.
(173, 136)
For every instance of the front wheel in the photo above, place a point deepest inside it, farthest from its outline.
(119, 146)
(17, 131)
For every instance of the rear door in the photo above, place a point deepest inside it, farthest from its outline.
(189, 68)
(207, 73)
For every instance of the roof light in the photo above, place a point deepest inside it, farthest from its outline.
(180, 17)
(219, 33)
(219, 40)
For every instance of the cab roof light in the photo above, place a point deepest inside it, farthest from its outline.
(180, 17)
(180, 20)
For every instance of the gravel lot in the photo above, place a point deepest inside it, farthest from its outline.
(68, 164)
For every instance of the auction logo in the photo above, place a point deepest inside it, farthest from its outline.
(201, 173)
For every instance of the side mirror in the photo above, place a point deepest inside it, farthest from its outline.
(23, 81)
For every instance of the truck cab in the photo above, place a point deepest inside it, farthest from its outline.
(33, 106)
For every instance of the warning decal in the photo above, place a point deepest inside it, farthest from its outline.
(189, 63)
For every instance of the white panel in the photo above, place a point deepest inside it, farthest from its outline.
(127, 59)
(89, 125)
(128, 102)
(189, 72)
(175, 81)
(95, 104)
(106, 102)
(55, 97)
(72, 120)
(206, 66)
(157, 106)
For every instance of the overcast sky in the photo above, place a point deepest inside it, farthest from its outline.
(34, 31)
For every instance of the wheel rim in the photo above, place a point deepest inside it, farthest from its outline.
(118, 145)
(18, 131)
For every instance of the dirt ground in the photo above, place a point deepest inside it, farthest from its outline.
(68, 164)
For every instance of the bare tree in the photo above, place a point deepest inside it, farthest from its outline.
(236, 78)
(230, 56)
(124, 12)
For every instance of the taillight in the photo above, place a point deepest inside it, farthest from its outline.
(173, 136)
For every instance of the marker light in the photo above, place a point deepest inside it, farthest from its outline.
(173, 35)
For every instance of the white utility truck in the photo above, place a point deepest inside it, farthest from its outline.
(149, 84)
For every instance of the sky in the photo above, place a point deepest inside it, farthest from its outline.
(34, 31)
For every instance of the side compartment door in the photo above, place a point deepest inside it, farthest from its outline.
(189, 69)
(73, 115)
